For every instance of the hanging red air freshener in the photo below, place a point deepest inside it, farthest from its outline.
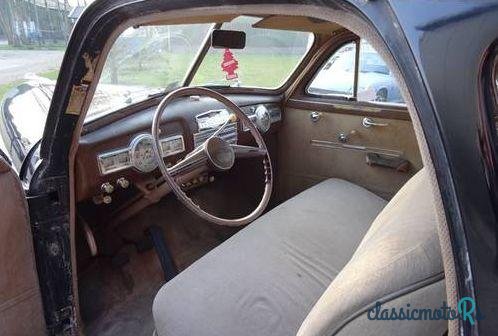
(229, 65)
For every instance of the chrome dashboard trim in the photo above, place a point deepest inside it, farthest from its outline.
(128, 150)
(273, 110)
(229, 134)
(202, 115)
(102, 156)
(174, 137)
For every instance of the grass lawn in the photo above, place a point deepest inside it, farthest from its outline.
(6, 87)
(48, 46)
(52, 74)
(266, 71)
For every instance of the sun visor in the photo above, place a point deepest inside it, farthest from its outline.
(297, 23)
(193, 20)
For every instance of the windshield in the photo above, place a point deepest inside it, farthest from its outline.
(149, 60)
(269, 57)
(144, 61)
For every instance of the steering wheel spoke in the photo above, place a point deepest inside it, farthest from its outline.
(242, 151)
(195, 159)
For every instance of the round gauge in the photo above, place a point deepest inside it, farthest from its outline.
(142, 153)
(263, 119)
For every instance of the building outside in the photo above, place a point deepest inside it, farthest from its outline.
(29, 22)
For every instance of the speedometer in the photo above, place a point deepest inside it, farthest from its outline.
(142, 153)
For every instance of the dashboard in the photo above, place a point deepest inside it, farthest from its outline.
(119, 153)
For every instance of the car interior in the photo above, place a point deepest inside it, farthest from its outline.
(290, 198)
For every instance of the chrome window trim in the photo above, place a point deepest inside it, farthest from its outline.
(345, 97)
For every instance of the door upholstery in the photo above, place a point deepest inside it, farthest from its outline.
(21, 310)
(304, 162)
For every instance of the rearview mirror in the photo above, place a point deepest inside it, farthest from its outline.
(230, 39)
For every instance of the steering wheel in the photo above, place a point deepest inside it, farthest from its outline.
(215, 153)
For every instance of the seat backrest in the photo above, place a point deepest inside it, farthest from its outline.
(21, 310)
(398, 263)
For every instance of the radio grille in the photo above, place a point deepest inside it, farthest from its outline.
(229, 134)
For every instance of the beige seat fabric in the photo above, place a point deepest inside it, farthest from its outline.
(398, 263)
(267, 278)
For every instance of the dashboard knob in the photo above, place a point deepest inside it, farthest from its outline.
(107, 199)
(107, 188)
(123, 182)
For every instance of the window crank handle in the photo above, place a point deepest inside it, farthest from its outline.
(368, 122)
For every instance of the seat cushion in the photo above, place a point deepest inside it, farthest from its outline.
(265, 279)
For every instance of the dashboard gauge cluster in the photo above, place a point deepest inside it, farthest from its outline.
(139, 155)
(114, 161)
(172, 145)
(142, 153)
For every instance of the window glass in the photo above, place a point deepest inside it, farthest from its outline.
(144, 61)
(375, 80)
(336, 77)
(267, 60)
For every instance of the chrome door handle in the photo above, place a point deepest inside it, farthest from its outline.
(368, 122)
(315, 116)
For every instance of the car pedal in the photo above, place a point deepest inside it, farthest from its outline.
(89, 236)
(157, 236)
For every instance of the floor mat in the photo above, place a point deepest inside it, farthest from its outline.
(117, 299)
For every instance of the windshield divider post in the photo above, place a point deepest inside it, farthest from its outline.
(206, 45)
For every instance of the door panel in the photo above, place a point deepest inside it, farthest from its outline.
(21, 310)
(310, 152)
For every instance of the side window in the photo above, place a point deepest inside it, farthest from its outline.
(336, 77)
(375, 82)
